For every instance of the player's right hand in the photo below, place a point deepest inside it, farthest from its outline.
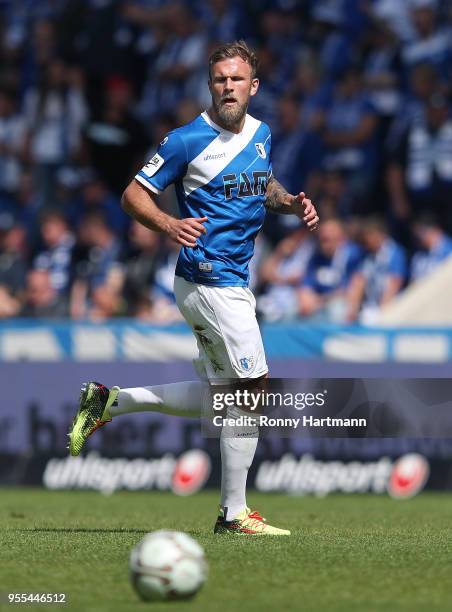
(186, 231)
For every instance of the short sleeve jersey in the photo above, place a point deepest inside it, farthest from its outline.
(222, 176)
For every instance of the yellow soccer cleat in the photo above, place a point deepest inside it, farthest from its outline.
(93, 412)
(247, 523)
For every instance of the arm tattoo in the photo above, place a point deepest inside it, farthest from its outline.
(276, 198)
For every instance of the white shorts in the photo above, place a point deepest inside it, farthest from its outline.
(223, 320)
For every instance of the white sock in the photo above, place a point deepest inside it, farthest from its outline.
(237, 455)
(186, 399)
(181, 399)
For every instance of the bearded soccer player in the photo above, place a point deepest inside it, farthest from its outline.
(220, 164)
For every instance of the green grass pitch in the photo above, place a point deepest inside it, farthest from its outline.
(347, 553)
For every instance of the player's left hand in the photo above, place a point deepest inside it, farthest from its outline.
(305, 210)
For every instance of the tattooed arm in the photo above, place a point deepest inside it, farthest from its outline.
(278, 200)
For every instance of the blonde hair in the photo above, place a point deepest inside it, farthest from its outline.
(238, 48)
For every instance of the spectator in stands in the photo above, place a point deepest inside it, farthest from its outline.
(279, 27)
(349, 138)
(295, 150)
(115, 140)
(424, 81)
(13, 265)
(12, 132)
(271, 86)
(312, 92)
(420, 175)
(382, 73)
(436, 246)
(281, 273)
(323, 289)
(94, 34)
(139, 267)
(381, 275)
(431, 42)
(163, 302)
(9, 305)
(94, 197)
(95, 263)
(106, 299)
(295, 153)
(395, 15)
(41, 299)
(179, 57)
(56, 253)
(330, 38)
(223, 20)
(332, 195)
(41, 45)
(54, 111)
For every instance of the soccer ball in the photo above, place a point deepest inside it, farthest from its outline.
(167, 565)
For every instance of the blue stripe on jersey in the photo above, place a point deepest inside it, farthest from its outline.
(222, 176)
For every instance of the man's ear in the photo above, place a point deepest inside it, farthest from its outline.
(254, 87)
(209, 84)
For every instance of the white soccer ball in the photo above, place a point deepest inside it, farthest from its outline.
(167, 565)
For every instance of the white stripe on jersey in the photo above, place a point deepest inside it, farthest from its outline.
(218, 154)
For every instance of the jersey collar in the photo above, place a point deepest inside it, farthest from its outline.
(205, 115)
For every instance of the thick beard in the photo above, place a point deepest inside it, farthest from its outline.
(231, 116)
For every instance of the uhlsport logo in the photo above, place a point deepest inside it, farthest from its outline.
(306, 475)
(260, 150)
(183, 475)
(191, 472)
(409, 476)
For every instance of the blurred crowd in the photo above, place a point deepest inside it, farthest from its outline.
(357, 94)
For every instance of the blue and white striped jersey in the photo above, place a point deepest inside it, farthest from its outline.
(222, 176)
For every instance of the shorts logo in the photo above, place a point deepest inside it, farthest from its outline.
(205, 266)
(153, 165)
(247, 363)
(260, 150)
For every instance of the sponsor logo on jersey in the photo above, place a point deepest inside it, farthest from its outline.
(260, 150)
(247, 363)
(153, 165)
(243, 185)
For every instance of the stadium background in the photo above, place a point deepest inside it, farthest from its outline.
(88, 90)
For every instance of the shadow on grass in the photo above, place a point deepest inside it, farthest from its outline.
(76, 530)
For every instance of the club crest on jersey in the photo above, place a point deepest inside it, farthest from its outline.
(260, 150)
(247, 363)
(153, 165)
